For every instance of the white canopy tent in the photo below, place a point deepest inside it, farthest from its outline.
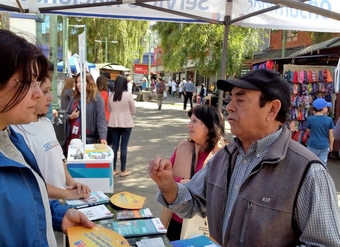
(313, 15)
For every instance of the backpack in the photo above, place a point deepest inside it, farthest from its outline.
(161, 88)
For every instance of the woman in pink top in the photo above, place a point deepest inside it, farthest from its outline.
(120, 124)
(206, 137)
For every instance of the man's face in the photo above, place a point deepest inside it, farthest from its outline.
(247, 120)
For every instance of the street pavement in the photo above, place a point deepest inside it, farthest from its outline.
(158, 133)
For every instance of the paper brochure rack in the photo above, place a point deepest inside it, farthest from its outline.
(95, 169)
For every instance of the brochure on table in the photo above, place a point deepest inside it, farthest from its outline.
(80, 236)
(95, 198)
(142, 213)
(98, 212)
(94, 169)
(198, 241)
(128, 200)
(137, 228)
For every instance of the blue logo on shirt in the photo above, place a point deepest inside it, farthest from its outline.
(50, 145)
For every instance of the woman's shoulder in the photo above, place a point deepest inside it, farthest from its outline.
(185, 143)
(127, 95)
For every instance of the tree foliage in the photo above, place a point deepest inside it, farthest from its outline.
(319, 37)
(128, 33)
(203, 45)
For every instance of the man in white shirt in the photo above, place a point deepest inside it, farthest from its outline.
(173, 88)
(129, 84)
(170, 87)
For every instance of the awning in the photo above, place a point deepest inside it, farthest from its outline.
(111, 66)
(270, 55)
(335, 42)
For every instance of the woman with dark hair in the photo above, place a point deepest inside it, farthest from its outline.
(96, 125)
(67, 93)
(41, 139)
(102, 84)
(121, 107)
(24, 201)
(206, 137)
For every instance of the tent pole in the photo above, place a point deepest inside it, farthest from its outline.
(284, 42)
(65, 39)
(54, 58)
(224, 51)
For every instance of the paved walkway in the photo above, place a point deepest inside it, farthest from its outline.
(157, 133)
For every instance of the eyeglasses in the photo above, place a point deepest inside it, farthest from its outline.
(34, 84)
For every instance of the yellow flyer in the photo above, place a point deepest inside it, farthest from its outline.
(80, 236)
(128, 200)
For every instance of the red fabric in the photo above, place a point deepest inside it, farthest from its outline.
(201, 158)
(305, 138)
(105, 97)
(309, 76)
(296, 77)
(75, 123)
(270, 64)
(328, 76)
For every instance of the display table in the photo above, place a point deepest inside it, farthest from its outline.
(95, 170)
(132, 241)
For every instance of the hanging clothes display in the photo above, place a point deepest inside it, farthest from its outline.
(307, 84)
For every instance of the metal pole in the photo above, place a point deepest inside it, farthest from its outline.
(85, 49)
(224, 51)
(149, 62)
(54, 58)
(83, 93)
(106, 49)
(185, 68)
(65, 43)
(284, 41)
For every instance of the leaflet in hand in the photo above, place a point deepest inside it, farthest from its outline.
(199, 241)
(97, 236)
(98, 212)
(134, 214)
(96, 197)
(135, 228)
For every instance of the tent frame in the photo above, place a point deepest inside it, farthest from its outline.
(296, 4)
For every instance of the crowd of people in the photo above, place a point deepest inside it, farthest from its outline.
(261, 189)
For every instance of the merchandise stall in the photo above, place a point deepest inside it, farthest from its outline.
(307, 83)
(310, 77)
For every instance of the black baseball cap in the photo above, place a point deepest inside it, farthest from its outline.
(269, 82)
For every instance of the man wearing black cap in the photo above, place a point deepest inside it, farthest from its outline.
(264, 189)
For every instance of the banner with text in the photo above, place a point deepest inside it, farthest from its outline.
(282, 18)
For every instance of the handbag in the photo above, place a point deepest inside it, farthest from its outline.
(197, 225)
(166, 216)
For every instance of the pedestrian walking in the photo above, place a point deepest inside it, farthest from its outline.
(320, 128)
(188, 91)
(160, 85)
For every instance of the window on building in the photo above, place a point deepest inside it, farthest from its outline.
(292, 35)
